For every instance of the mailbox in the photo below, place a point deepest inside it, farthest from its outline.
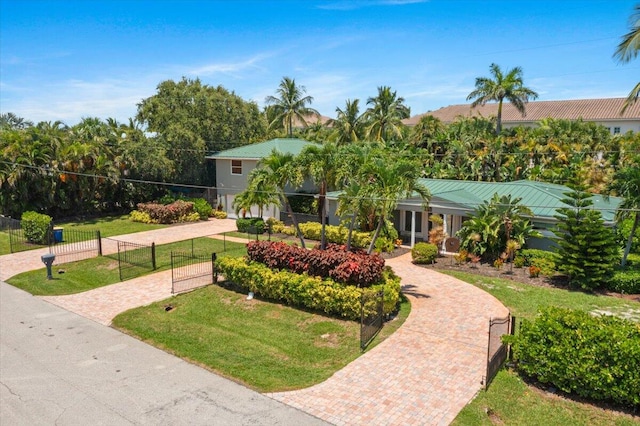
(48, 259)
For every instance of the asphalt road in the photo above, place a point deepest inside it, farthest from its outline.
(59, 368)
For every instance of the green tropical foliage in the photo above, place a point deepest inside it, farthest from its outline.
(628, 49)
(289, 107)
(493, 224)
(385, 114)
(501, 86)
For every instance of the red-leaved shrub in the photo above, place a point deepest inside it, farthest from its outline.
(349, 267)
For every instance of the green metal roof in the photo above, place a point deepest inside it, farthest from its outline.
(260, 150)
(542, 198)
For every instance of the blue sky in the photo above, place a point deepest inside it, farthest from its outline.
(64, 60)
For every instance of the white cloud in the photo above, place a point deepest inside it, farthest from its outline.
(230, 68)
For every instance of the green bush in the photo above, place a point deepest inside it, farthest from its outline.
(36, 227)
(422, 253)
(547, 267)
(385, 245)
(246, 224)
(314, 293)
(202, 207)
(334, 234)
(519, 262)
(529, 254)
(305, 204)
(576, 352)
(627, 282)
(277, 226)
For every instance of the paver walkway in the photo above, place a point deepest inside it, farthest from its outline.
(423, 374)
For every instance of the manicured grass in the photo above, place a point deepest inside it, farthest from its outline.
(100, 271)
(509, 399)
(5, 247)
(267, 346)
(524, 300)
(110, 226)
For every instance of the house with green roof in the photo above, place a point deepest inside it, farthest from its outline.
(455, 201)
(234, 165)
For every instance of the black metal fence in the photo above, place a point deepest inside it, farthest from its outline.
(497, 351)
(190, 271)
(18, 239)
(371, 316)
(135, 259)
(72, 245)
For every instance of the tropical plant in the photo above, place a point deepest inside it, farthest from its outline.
(626, 184)
(290, 106)
(628, 50)
(385, 114)
(493, 223)
(499, 87)
(348, 124)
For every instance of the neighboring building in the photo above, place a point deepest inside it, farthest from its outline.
(455, 201)
(234, 165)
(601, 111)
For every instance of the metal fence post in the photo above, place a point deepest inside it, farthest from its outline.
(153, 255)
(214, 270)
(99, 242)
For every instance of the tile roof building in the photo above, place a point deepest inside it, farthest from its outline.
(602, 111)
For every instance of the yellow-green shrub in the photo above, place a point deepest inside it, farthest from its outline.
(143, 217)
(323, 295)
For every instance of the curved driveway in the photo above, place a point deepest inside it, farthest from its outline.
(423, 374)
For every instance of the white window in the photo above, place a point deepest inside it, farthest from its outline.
(236, 167)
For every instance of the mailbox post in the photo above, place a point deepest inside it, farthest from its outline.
(48, 259)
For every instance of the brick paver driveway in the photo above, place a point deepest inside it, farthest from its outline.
(426, 372)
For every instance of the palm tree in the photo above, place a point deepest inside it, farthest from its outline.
(280, 171)
(507, 86)
(626, 184)
(628, 50)
(385, 115)
(389, 180)
(348, 123)
(290, 105)
(319, 163)
(260, 192)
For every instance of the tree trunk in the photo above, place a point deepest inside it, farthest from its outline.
(499, 118)
(376, 234)
(323, 217)
(294, 220)
(627, 247)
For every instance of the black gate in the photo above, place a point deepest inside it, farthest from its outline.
(189, 271)
(371, 316)
(497, 351)
(135, 259)
(70, 245)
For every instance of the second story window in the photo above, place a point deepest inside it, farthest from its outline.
(236, 167)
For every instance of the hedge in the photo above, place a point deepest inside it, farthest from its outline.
(178, 211)
(245, 225)
(36, 227)
(424, 253)
(324, 295)
(627, 282)
(576, 352)
(334, 234)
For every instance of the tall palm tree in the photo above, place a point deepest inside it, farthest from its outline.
(499, 87)
(319, 163)
(385, 115)
(348, 123)
(628, 50)
(281, 171)
(290, 105)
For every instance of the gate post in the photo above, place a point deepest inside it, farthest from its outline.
(214, 270)
(99, 242)
(153, 255)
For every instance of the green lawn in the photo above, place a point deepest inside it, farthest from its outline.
(509, 400)
(267, 346)
(100, 271)
(5, 247)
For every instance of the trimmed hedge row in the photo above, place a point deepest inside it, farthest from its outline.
(627, 282)
(576, 352)
(314, 293)
(349, 267)
(245, 224)
(178, 211)
(334, 234)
